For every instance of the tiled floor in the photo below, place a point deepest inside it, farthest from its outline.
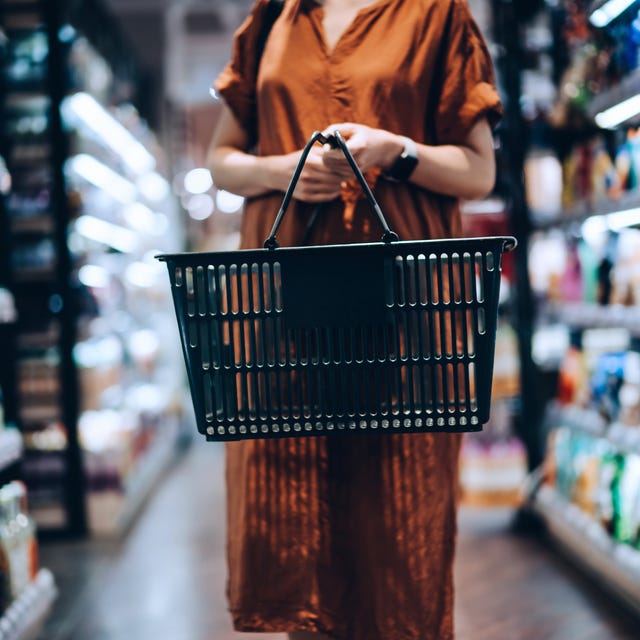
(165, 580)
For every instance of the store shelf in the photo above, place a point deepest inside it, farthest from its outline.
(10, 448)
(24, 618)
(626, 439)
(629, 87)
(615, 566)
(149, 471)
(36, 225)
(582, 315)
(113, 513)
(585, 210)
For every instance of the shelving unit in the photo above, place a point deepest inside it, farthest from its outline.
(626, 439)
(96, 344)
(579, 214)
(614, 565)
(589, 491)
(24, 618)
(581, 315)
(629, 87)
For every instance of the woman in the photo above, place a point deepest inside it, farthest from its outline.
(351, 537)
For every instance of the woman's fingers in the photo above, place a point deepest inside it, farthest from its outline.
(317, 182)
(369, 147)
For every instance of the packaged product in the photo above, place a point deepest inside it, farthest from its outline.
(571, 377)
(606, 381)
(627, 489)
(629, 395)
(609, 468)
(588, 271)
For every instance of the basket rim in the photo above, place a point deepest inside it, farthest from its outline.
(509, 243)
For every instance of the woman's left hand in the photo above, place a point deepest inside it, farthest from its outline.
(370, 148)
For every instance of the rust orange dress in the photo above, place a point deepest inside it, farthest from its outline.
(352, 535)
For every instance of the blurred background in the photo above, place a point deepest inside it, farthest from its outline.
(112, 511)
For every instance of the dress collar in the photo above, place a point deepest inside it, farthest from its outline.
(309, 5)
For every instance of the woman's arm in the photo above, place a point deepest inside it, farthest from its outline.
(235, 170)
(464, 171)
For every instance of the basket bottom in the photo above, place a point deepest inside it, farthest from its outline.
(328, 427)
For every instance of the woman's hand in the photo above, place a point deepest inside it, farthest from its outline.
(317, 182)
(238, 171)
(369, 147)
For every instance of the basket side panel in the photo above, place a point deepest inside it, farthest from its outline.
(183, 302)
(489, 265)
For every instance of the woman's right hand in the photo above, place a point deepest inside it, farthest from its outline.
(317, 183)
(236, 170)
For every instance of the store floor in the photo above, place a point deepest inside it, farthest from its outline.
(165, 580)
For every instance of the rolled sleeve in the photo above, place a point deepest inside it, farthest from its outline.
(237, 81)
(468, 91)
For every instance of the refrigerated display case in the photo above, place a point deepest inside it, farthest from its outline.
(100, 390)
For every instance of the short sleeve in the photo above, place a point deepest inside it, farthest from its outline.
(237, 81)
(468, 89)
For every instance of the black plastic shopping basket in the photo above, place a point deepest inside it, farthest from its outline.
(384, 337)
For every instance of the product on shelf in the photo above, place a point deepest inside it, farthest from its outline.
(493, 463)
(593, 474)
(506, 366)
(8, 312)
(598, 269)
(17, 538)
(492, 474)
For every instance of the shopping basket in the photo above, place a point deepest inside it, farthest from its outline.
(373, 337)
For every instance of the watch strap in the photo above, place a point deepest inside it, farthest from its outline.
(405, 163)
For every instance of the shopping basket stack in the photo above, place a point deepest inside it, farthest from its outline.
(373, 337)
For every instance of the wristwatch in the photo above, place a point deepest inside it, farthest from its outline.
(405, 163)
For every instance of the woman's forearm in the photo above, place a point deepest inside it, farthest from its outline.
(453, 170)
(246, 174)
(464, 170)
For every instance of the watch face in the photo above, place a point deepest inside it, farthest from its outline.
(403, 167)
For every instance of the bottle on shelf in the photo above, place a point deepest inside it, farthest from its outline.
(17, 538)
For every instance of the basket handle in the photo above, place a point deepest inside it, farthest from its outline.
(335, 140)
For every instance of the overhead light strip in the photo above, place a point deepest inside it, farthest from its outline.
(619, 113)
(113, 235)
(616, 221)
(82, 107)
(103, 177)
(608, 12)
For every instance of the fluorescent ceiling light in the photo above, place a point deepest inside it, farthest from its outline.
(117, 237)
(198, 181)
(103, 177)
(81, 107)
(609, 11)
(593, 227)
(612, 117)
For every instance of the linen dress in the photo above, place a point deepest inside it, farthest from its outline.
(351, 535)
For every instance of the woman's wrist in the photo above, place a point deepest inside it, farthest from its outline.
(405, 160)
(392, 147)
(274, 172)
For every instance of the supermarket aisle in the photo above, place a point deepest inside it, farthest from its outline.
(166, 579)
